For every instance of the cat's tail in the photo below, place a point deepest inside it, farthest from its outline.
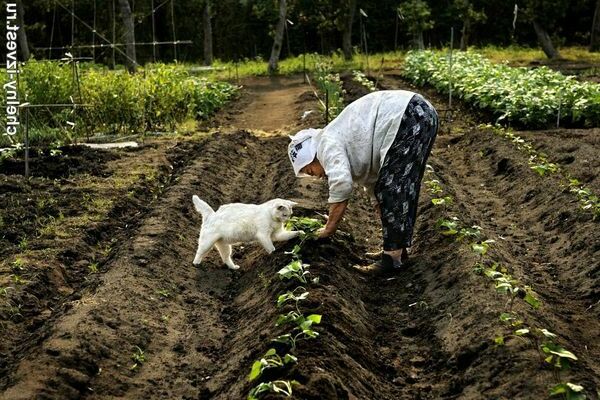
(202, 207)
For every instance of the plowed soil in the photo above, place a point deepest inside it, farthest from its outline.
(69, 330)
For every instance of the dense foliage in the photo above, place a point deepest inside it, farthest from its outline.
(527, 97)
(117, 102)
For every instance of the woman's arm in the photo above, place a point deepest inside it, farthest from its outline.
(336, 211)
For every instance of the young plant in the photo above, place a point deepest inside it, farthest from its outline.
(292, 296)
(270, 360)
(448, 227)
(139, 357)
(557, 355)
(294, 270)
(442, 201)
(278, 387)
(434, 187)
(569, 391)
(481, 248)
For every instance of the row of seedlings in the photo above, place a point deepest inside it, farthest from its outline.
(543, 340)
(282, 353)
(588, 200)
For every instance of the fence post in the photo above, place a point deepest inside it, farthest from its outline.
(326, 106)
(26, 142)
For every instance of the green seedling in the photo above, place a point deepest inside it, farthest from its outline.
(294, 270)
(557, 355)
(569, 391)
(23, 244)
(506, 284)
(164, 293)
(442, 201)
(278, 387)
(300, 320)
(448, 227)
(543, 168)
(270, 360)
(482, 248)
(291, 339)
(473, 232)
(290, 296)
(93, 268)
(139, 357)
(18, 279)
(434, 187)
(308, 226)
(19, 263)
(304, 224)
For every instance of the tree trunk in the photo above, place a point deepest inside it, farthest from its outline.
(545, 42)
(347, 33)
(21, 33)
(465, 33)
(595, 40)
(128, 25)
(418, 41)
(208, 49)
(278, 40)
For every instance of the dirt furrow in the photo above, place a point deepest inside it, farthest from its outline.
(535, 226)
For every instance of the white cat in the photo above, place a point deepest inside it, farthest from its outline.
(237, 222)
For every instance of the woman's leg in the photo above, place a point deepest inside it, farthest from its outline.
(397, 189)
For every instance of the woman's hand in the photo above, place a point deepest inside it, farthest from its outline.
(324, 233)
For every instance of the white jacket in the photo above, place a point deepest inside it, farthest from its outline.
(353, 146)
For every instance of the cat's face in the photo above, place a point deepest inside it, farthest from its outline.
(283, 211)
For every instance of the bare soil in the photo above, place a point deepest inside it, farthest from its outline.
(426, 332)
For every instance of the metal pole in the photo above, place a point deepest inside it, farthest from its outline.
(396, 33)
(304, 66)
(326, 106)
(72, 24)
(559, 104)
(26, 142)
(94, 35)
(450, 69)
(114, 37)
(173, 24)
(52, 32)
(153, 33)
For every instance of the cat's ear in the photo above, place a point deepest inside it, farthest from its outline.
(291, 203)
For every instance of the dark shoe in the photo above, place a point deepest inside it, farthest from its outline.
(385, 265)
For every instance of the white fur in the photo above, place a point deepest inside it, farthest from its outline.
(237, 222)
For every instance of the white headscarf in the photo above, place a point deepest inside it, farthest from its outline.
(302, 149)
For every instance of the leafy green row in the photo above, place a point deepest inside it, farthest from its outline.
(528, 97)
(118, 102)
(542, 339)
(301, 324)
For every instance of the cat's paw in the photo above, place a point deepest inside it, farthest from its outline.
(233, 267)
(196, 262)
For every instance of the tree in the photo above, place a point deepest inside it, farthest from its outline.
(466, 12)
(544, 15)
(347, 29)
(545, 40)
(21, 33)
(278, 38)
(595, 38)
(206, 22)
(417, 17)
(127, 17)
